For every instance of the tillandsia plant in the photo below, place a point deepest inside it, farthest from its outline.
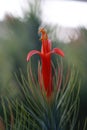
(61, 113)
(46, 65)
(35, 110)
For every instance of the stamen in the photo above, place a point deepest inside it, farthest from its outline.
(44, 35)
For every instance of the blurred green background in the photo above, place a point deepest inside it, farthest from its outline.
(19, 36)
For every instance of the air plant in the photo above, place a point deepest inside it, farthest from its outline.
(49, 101)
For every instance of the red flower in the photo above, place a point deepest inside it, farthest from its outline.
(45, 54)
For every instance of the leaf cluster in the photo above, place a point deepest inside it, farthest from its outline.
(33, 111)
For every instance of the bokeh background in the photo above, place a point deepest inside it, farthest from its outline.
(19, 35)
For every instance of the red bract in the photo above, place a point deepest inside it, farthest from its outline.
(45, 55)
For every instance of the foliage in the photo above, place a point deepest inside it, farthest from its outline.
(35, 112)
(76, 54)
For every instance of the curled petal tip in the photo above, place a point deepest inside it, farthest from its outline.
(27, 59)
(62, 54)
(31, 53)
(58, 51)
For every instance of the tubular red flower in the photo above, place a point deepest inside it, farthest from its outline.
(45, 55)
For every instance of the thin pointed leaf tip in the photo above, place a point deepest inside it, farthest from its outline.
(46, 66)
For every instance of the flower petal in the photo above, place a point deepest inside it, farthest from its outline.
(31, 53)
(57, 51)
